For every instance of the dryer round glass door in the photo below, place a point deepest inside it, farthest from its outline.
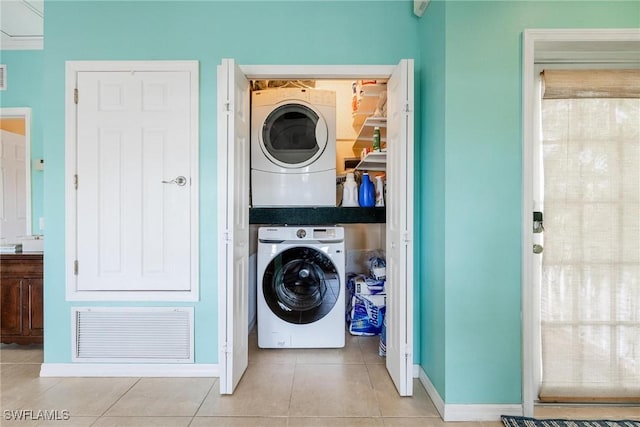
(301, 285)
(294, 135)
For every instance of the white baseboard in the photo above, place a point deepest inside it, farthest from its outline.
(128, 370)
(463, 412)
(431, 391)
(481, 412)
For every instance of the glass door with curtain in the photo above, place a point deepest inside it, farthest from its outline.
(590, 275)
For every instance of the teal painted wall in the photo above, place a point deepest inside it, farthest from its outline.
(478, 277)
(431, 276)
(313, 32)
(24, 89)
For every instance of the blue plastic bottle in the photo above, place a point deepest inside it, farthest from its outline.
(367, 195)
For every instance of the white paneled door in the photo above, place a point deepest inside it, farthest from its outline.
(400, 227)
(136, 158)
(13, 214)
(233, 217)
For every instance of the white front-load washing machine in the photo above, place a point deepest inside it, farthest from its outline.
(301, 287)
(293, 147)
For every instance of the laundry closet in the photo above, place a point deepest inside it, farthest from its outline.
(239, 223)
(307, 138)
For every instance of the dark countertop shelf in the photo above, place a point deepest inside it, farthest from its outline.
(317, 215)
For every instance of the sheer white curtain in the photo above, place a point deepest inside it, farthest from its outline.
(590, 293)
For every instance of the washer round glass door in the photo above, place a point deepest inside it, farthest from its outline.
(294, 135)
(301, 285)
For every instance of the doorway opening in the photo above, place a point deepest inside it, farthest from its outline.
(15, 141)
(573, 48)
(234, 249)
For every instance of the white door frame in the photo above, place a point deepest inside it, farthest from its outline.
(71, 158)
(552, 46)
(303, 72)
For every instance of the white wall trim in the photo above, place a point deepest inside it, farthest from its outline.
(584, 45)
(317, 71)
(198, 370)
(22, 43)
(481, 412)
(528, 315)
(71, 72)
(462, 412)
(438, 402)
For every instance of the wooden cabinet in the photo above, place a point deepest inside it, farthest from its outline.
(21, 298)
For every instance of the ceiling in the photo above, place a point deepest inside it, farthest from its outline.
(21, 24)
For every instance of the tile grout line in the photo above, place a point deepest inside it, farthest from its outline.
(204, 399)
(293, 381)
(118, 399)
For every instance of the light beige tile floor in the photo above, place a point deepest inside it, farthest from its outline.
(305, 388)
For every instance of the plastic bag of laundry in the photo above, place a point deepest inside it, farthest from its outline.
(377, 266)
(362, 285)
(382, 347)
(367, 314)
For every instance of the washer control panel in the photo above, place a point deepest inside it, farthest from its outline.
(324, 233)
(321, 233)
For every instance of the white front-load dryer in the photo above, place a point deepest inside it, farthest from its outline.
(301, 287)
(293, 147)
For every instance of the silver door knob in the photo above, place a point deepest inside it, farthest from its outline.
(179, 180)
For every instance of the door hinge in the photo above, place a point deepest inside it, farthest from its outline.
(227, 106)
(75, 96)
(227, 236)
(406, 237)
(75, 267)
(75, 181)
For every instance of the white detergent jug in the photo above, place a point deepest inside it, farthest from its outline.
(350, 192)
(379, 191)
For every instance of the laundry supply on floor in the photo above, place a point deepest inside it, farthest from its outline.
(367, 314)
(366, 302)
(382, 347)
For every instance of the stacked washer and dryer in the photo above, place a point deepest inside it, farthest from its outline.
(301, 270)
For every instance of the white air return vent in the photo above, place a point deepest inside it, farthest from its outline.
(133, 334)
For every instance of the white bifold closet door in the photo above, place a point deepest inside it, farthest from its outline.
(400, 227)
(233, 219)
